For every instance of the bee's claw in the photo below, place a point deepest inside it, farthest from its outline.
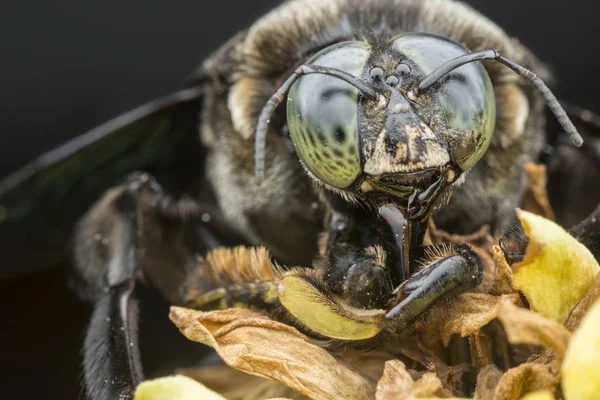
(445, 278)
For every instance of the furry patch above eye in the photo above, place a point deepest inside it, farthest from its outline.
(246, 99)
(513, 112)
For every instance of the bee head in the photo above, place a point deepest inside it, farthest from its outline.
(395, 121)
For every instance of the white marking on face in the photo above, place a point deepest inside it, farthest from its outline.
(432, 154)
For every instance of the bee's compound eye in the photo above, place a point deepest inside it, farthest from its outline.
(465, 96)
(322, 114)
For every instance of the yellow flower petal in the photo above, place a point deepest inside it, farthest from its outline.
(557, 270)
(174, 388)
(580, 369)
(543, 395)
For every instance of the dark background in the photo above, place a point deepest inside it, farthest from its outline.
(67, 66)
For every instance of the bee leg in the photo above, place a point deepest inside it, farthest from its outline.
(445, 278)
(588, 232)
(112, 366)
(106, 243)
(134, 231)
(361, 277)
(357, 262)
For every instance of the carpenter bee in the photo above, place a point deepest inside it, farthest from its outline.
(329, 132)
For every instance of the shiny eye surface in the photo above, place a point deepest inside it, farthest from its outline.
(376, 73)
(466, 95)
(403, 69)
(322, 114)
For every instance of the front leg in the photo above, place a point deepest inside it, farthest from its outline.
(365, 277)
(358, 259)
(588, 232)
(360, 276)
(134, 231)
(459, 271)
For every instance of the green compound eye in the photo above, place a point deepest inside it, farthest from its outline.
(466, 95)
(322, 116)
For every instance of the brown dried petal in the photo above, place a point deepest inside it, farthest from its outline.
(481, 349)
(536, 197)
(503, 274)
(527, 327)
(526, 378)
(487, 381)
(397, 383)
(428, 385)
(369, 364)
(481, 242)
(464, 315)
(434, 357)
(252, 343)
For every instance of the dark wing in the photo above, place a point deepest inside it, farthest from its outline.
(574, 173)
(40, 203)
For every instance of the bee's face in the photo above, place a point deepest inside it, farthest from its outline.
(390, 146)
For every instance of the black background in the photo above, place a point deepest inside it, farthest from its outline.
(67, 66)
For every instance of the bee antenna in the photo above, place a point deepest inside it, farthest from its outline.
(532, 78)
(260, 136)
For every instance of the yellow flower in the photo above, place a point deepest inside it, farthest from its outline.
(557, 270)
(174, 388)
(581, 367)
(542, 395)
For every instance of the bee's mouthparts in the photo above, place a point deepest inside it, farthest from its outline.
(413, 180)
(413, 192)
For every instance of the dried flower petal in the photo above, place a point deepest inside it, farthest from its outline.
(174, 388)
(557, 270)
(481, 349)
(536, 197)
(397, 383)
(526, 378)
(487, 381)
(502, 283)
(464, 315)
(581, 374)
(427, 385)
(527, 327)
(252, 343)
